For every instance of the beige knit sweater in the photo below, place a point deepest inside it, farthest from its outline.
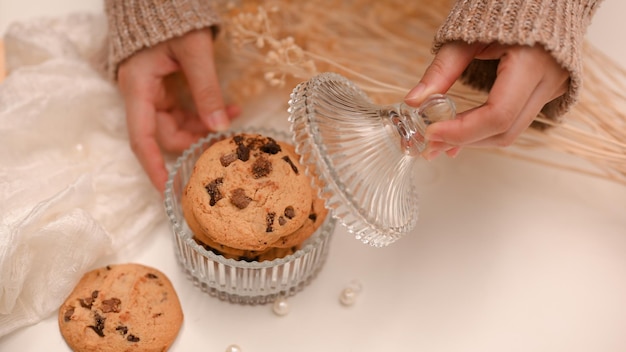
(558, 25)
(138, 24)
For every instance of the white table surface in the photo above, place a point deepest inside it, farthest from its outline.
(508, 256)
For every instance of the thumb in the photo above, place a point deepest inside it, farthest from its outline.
(446, 67)
(194, 52)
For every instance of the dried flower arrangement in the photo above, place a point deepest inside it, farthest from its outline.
(384, 47)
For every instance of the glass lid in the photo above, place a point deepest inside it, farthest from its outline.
(362, 155)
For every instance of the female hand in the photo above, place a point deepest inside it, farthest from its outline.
(160, 117)
(527, 78)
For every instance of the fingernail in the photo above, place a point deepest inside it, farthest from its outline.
(432, 155)
(217, 121)
(416, 93)
(454, 152)
(433, 137)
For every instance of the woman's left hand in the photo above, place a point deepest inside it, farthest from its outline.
(528, 77)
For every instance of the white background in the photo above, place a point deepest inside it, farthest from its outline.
(508, 256)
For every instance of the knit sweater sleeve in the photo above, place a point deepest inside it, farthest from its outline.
(558, 25)
(137, 24)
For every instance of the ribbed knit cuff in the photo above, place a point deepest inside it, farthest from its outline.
(558, 25)
(137, 24)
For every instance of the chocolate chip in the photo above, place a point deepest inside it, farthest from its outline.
(151, 276)
(313, 216)
(99, 325)
(293, 166)
(228, 159)
(238, 139)
(271, 147)
(111, 305)
(243, 152)
(290, 212)
(88, 302)
(239, 199)
(68, 314)
(269, 221)
(261, 167)
(108, 267)
(122, 329)
(132, 338)
(213, 190)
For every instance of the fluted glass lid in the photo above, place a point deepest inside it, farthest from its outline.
(362, 154)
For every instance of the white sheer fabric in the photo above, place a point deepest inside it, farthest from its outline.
(71, 191)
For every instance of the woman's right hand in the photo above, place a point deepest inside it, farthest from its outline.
(160, 117)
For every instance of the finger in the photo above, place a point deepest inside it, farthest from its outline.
(194, 51)
(454, 152)
(233, 111)
(191, 122)
(139, 83)
(511, 91)
(171, 137)
(141, 130)
(178, 129)
(446, 67)
(434, 149)
(545, 92)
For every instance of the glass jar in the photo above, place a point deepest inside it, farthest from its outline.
(239, 281)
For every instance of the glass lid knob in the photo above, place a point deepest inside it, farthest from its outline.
(361, 154)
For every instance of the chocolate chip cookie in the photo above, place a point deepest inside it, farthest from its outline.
(126, 307)
(247, 192)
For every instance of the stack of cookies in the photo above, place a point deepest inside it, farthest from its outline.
(248, 198)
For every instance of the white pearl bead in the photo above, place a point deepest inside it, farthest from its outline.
(281, 306)
(347, 296)
(233, 348)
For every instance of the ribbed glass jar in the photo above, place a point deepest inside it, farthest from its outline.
(239, 281)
